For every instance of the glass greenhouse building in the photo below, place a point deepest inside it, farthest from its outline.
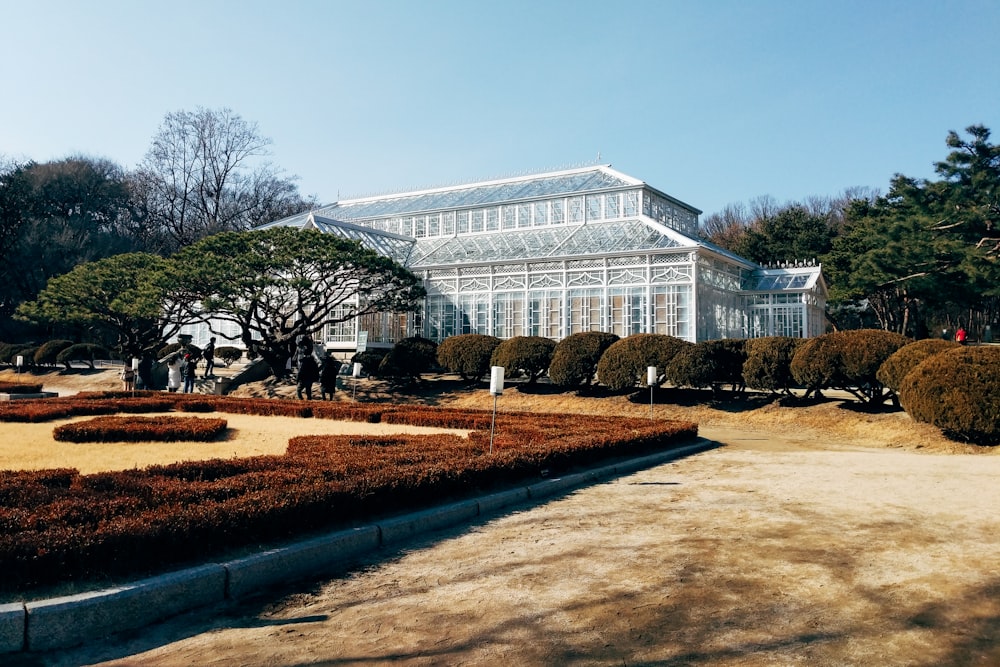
(551, 254)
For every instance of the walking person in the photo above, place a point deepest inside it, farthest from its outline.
(960, 336)
(190, 371)
(328, 377)
(209, 354)
(128, 378)
(174, 366)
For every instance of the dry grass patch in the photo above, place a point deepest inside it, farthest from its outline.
(32, 447)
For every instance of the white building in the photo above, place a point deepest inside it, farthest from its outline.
(588, 249)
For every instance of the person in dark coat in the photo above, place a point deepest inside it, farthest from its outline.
(328, 377)
(209, 354)
(308, 374)
(190, 372)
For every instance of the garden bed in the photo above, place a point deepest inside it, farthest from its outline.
(59, 525)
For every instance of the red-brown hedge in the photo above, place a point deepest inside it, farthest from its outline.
(141, 429)
(59, 525)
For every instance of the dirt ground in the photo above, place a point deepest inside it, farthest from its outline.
(810, 536)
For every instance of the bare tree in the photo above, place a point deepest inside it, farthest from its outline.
(206, 172)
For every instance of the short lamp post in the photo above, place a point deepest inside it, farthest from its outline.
(651, 381)
(19, 362)
(496, 388)
(135, 374)
(356, 373)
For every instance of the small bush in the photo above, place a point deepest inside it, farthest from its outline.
(624, 363)
(26, 350)
(905, 359)
(768, 363)
(228, 354)
(47, 353)
(959, 392)
(409, 358)
(467, 354)
(527, 355)
(574, 361)
(369, 360)
(86, 352)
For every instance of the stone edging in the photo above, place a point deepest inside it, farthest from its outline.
(63, 622)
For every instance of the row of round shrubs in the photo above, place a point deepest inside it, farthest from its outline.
(956, 388)
(65, 352)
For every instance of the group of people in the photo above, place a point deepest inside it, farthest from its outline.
(182, 367)
(312, 368)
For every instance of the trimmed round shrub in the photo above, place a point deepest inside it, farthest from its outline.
(10, 351)
(369, 360)
(905, 359)
(693, 366)
(959, 392)
(846, 360)
(729, 355)
(526, 355)
(409, 358)
(26, 351)
(86, 352)
(575, 358)
(47, 353)
(228, 354)
(624, 363)
(768, 363)
(467, 354)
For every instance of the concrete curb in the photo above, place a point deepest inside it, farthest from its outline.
(12, 623)
(250, 575)
(68, 621)
(71, 620)
(405, 527)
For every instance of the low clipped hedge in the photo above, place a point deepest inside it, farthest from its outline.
(141, 429)
(959, 392)
(20, 388)
(59, 525)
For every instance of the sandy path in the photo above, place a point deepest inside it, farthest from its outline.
(771, 550)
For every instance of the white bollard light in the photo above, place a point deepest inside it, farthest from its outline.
(357, 369)
(496, 380)
(651, 375)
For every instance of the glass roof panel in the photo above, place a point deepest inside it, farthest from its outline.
(558, 241)
(776, 280)
(476, 195)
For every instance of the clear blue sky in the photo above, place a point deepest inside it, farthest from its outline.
(711, 101)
